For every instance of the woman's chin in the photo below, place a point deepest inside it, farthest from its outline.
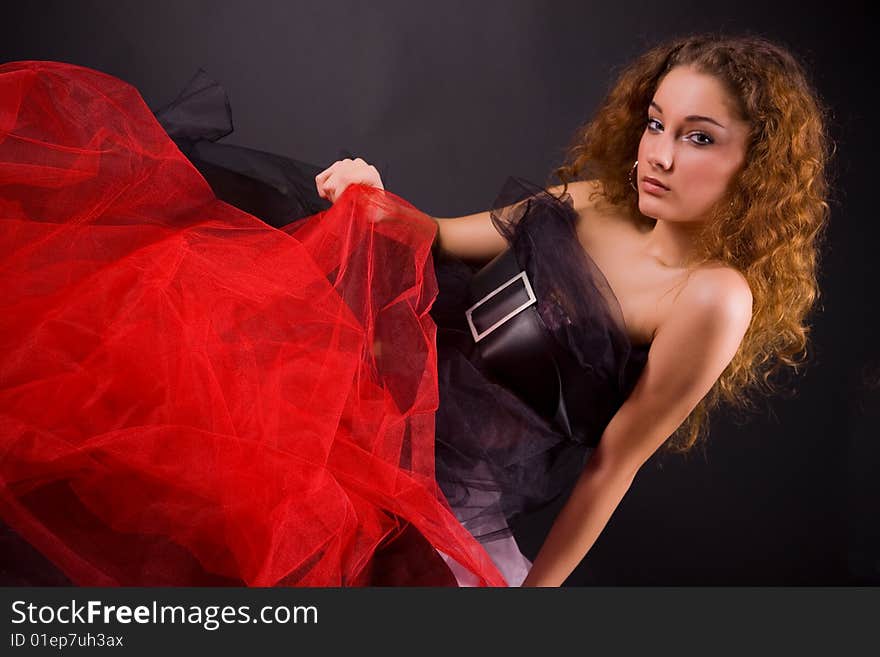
(648, 210)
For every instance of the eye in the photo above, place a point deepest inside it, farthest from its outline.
(702, 143)
(697, 138)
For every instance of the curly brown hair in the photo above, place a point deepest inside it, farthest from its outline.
(771, 225)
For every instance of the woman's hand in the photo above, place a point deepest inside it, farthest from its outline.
(333, 180)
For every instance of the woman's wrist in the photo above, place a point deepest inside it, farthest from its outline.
(436, 247)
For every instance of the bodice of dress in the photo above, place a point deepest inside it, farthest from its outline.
(496, 457)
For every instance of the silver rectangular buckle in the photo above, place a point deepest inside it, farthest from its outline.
(531, 300)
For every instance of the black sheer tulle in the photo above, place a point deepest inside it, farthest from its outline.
(496, 458)
(275, 188)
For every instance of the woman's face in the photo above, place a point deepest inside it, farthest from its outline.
(695, 158)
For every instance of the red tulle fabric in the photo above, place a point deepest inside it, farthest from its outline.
(189, 396)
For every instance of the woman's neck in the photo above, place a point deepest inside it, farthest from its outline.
(672, 243)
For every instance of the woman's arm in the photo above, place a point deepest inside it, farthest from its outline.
(688, 354)
(474, 236)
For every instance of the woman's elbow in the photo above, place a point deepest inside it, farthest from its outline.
(607, 462)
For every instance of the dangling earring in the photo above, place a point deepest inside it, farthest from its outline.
(632, 184)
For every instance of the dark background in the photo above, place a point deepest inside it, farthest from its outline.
(453, 97)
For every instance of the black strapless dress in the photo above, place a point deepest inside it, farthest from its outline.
(368, 507)
(496, 456)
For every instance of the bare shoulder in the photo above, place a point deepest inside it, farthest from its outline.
(690, 351)
(583, 192)
(719, 288)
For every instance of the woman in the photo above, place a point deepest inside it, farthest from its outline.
(655, 301)
(730, 153)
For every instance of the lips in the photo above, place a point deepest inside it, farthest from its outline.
(655, 181)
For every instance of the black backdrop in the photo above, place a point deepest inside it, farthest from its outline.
(451, 98)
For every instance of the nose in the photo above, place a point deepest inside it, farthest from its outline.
(660, 155)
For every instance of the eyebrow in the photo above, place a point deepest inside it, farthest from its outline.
(692, 117)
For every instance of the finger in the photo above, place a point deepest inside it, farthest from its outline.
(378, 177)
(325, 189)
(329, 170)
(337, 191)
(321, 183)
(321, 177)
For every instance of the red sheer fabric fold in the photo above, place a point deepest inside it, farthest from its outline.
(189, 396)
